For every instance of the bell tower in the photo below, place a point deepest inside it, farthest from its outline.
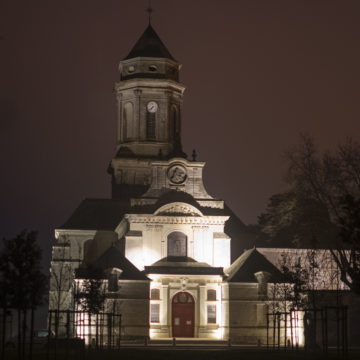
(149, 102)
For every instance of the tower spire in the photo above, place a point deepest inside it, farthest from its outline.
(149, 10)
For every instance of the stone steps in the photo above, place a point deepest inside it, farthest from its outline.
(188, 341)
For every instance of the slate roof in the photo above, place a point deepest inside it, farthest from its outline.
(106, 214)
(249, 263)
(149, 45)
(97, 214)
(176, 265)
(113, 258)
(171, 196)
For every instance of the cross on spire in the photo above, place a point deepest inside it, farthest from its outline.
(149, 10)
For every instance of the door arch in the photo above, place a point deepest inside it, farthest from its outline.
(183, 315)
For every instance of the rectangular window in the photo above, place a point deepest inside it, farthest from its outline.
(155, 313)
(211, 314)
(211, 294)
(155, 294)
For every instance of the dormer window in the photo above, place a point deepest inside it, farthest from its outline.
(152, 68)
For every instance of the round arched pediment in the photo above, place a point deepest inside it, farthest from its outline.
(179, 209)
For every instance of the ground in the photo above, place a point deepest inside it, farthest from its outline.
(189, 354)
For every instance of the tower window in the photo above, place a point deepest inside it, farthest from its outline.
(174, 122)
(150, 125)
(128, 120)
(177, 244)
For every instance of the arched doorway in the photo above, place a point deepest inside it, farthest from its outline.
(183, 315)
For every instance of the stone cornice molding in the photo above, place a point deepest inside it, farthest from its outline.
(153, 84)
(178, 160)
(83, 233)
(154, 219)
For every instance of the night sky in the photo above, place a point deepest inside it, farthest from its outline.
(257, 74)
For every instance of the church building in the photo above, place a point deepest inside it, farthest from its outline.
(173, 257)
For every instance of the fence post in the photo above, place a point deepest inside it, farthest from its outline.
(291, 330)
(285, 330)
(326, 330)
(49, 334)
(345, 330)
(67, 332)
(119, 325)
(279, 328)
(274, 329)
(267, 331)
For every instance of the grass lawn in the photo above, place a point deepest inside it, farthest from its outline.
(184, 354)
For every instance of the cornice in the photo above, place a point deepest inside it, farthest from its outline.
(148, 84)
(153, 219)
(77, 232)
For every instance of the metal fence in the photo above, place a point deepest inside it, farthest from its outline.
(100, 330)
(311, 328)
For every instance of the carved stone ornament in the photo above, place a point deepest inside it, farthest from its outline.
(177, 174)
(178, 209)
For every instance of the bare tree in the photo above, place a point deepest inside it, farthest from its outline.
(322, 203)
(61, 275)
(23, 280)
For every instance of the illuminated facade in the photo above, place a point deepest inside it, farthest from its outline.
(164, 244)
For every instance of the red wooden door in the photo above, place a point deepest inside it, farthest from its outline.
(183, 315)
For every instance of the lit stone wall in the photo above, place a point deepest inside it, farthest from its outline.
(197, 286)
(326, 274)
(132, 124)
(146, 240)
(247, 314)
(132, 302)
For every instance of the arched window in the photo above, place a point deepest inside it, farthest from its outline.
(150, 125)
(211, 294)
(177, 244)
(155, 294)
(128, 121)
(174, 119)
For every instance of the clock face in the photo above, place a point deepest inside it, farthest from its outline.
(152, 106)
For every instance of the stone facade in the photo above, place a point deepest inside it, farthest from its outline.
(161, 236)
